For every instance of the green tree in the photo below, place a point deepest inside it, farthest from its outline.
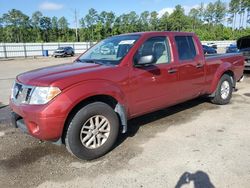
(45, 25)
(89, 21)
(233, 10)
(209, 13)
(35, 19)
(117, 26)
(16, 22)
(35, 22)
(220, 10)
(153, 21)
(63, 27)
(178, 20)
(143, 22)
(55, 29)
(106, 20)
(164, 23)
(194, 15)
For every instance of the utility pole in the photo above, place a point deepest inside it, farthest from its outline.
(76, 25)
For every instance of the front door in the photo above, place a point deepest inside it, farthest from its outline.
(153, 86)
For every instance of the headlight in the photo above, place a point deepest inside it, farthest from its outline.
(42, 95)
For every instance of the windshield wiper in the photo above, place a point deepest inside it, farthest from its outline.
(91, 61)
(77, 61)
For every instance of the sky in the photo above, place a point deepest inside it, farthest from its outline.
(66, 8)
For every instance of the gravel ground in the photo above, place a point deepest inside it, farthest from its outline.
(206, 144)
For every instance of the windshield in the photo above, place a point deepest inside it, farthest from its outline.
(60, 48)
(110, 51)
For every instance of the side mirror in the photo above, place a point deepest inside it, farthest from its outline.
(145, 60)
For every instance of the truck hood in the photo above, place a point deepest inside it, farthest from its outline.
(62, 75)
(243, 43)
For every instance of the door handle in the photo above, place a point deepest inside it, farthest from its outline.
(172, 71)
(199, 65)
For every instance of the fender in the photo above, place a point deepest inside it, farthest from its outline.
(223, 67)
(86, 89)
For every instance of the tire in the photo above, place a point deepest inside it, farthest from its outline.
(223, 93)
(86, 142)
(55, 56)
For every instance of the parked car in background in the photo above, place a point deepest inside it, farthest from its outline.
(64, 51)
(208, 50)
(232, 48)
(243, 45)
(212, 45)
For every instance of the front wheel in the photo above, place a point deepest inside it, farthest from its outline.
(224, 90)
(92, 131)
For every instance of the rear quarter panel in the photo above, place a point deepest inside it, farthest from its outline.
(216, 66)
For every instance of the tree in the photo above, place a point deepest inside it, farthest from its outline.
(106, 20)
(55, 29)
(45, 25)
(164, 25)
(90, 20)
(153, 21)
(233, 10)
(207, 21)
(63, 26)
(143, 22)
(35, 22)
(201, 10)
(220, 10)
(178, 20)
(1, 30)
(16, 22)
(209, 13)
(133, 22)
(117, 26)
(194, 15)
(35, 19)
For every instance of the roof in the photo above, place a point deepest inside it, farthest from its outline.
(158, 32)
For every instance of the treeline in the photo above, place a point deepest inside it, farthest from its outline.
(215, 21)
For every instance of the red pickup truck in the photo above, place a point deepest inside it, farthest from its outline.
(84, 104)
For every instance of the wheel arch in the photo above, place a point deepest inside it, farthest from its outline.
(107, 99)
(224, 68)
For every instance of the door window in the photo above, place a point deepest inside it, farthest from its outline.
(156, 46)
(186, 48)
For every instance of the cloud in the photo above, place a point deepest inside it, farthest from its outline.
(171, 9)
(164, 10)
(50, 6)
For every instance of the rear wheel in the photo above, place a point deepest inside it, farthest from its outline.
(224, 90)
(92, 131)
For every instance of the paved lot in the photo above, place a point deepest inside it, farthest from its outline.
(199, 141)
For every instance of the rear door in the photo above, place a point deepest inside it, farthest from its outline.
(191, 67)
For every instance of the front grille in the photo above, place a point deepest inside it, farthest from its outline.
(21, 93)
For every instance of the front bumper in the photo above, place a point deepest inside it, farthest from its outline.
(33, 120)
(59, 54)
